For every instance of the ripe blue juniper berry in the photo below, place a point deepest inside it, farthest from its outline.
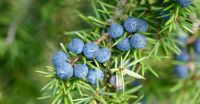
(99, 74)
(131, 24)
(103, 55)
(184, 3)
(142, 25)
(183, 56)
(59, 57)
(115, 30)
(90, 50)
(117, 84)
(197, 46)
(76, 46)
(138, 41)
(124, 44)
(94, 76)
(80, 71)
(181, 71)
(64, 70)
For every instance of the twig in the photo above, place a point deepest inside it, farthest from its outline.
(17, 19)
(103, 37)
(11, 32)
(196, 23)
(191, 40)
(191, 65)
(74, 60)
(120, 10)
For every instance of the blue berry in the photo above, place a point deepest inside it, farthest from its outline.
(64, 70)
(80, 71)
(99, 74)
(116, 30)
(76, 46)
(197, 46)
(115, 84)
(181, 71)
(91, 77)
(103, 55)
(124, 44)
(183, 56)
(94, 76)
(184, 3)
(143, 25)
(59, 57)
(90, 50)
(131, 24)
(138, 41)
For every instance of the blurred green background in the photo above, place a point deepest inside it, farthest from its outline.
(30, 31)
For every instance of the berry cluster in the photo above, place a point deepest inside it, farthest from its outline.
(90, 50)
(65, 68)
(182, 70)
(131, 25)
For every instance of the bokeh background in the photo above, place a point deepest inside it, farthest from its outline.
(30, 31)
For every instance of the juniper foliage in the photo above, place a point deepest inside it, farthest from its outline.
(133, 64)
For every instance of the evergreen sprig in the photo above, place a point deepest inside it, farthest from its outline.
(166, 20)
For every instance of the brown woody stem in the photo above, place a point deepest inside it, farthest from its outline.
(103, 37)
(74, 60)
